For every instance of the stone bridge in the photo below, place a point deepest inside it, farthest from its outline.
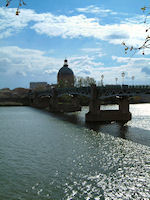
(96, 95)
(103, 91)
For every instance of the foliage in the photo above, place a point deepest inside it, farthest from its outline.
(62, 84)
(20, 3)
(66, 98)
(84, 82)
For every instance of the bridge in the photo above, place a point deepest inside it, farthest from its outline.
(103, 91)
(97, 94)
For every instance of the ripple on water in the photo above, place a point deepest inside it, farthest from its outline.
(125, 174)
(70, 163)
(111, 168)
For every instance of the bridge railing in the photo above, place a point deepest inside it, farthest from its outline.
(106, 90)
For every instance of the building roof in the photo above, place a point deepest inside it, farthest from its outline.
(65, 70)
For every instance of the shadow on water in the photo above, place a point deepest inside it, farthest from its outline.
(116, 129)
(72, 118)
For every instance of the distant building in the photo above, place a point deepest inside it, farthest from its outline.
(65, 76)
(35, 85)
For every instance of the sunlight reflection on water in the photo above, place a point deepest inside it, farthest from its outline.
(43, 156)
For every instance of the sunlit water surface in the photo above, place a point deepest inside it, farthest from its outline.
(60, 157)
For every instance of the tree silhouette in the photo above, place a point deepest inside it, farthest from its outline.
(84, 82)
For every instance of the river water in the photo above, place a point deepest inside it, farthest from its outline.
(60, 157)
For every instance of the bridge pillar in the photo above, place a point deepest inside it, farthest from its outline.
(124, 113)
(124, 105)
(94, 105)
(97, 115)
(53, 103)
(56, 105)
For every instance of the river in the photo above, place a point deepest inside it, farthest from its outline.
(45, 156)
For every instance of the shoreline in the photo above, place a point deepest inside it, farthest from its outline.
(11, 104)
(22, 104)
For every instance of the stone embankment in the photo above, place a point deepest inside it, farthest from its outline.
(16, 97)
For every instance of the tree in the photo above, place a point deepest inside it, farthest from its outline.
(61, 84)
(20, 3)
(89, 81)
(79, 81)
(84, 82)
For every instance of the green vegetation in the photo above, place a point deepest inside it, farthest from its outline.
(84, 82)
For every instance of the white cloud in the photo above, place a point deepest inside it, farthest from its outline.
(97, 52)
(84, 65)
(67, 27)
(10, 23)
(140, 60)
(26, 61)
(51, 71)
(71, 26)
(137, 67)
(87, 66)
(96, 10)
(32, 64)
(81, 26)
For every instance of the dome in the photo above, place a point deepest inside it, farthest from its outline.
(65, 71)
(65, 75)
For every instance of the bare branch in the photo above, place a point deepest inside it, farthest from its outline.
(146, 42)
(20, 3)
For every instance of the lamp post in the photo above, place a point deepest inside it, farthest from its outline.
(116, 79)
(102, 77)
(133, 79)
(123, 75)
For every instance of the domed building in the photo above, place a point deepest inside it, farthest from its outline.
(65, 76)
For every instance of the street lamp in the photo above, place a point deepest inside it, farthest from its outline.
(123, 75)
(116, 79)
(102, 77)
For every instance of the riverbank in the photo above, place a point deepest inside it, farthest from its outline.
(16, 97)
(11, 104)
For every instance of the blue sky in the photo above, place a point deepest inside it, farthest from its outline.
(88, 33)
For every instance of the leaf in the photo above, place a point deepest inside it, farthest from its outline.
(143, 9)
(17, 12)
(7, 3)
